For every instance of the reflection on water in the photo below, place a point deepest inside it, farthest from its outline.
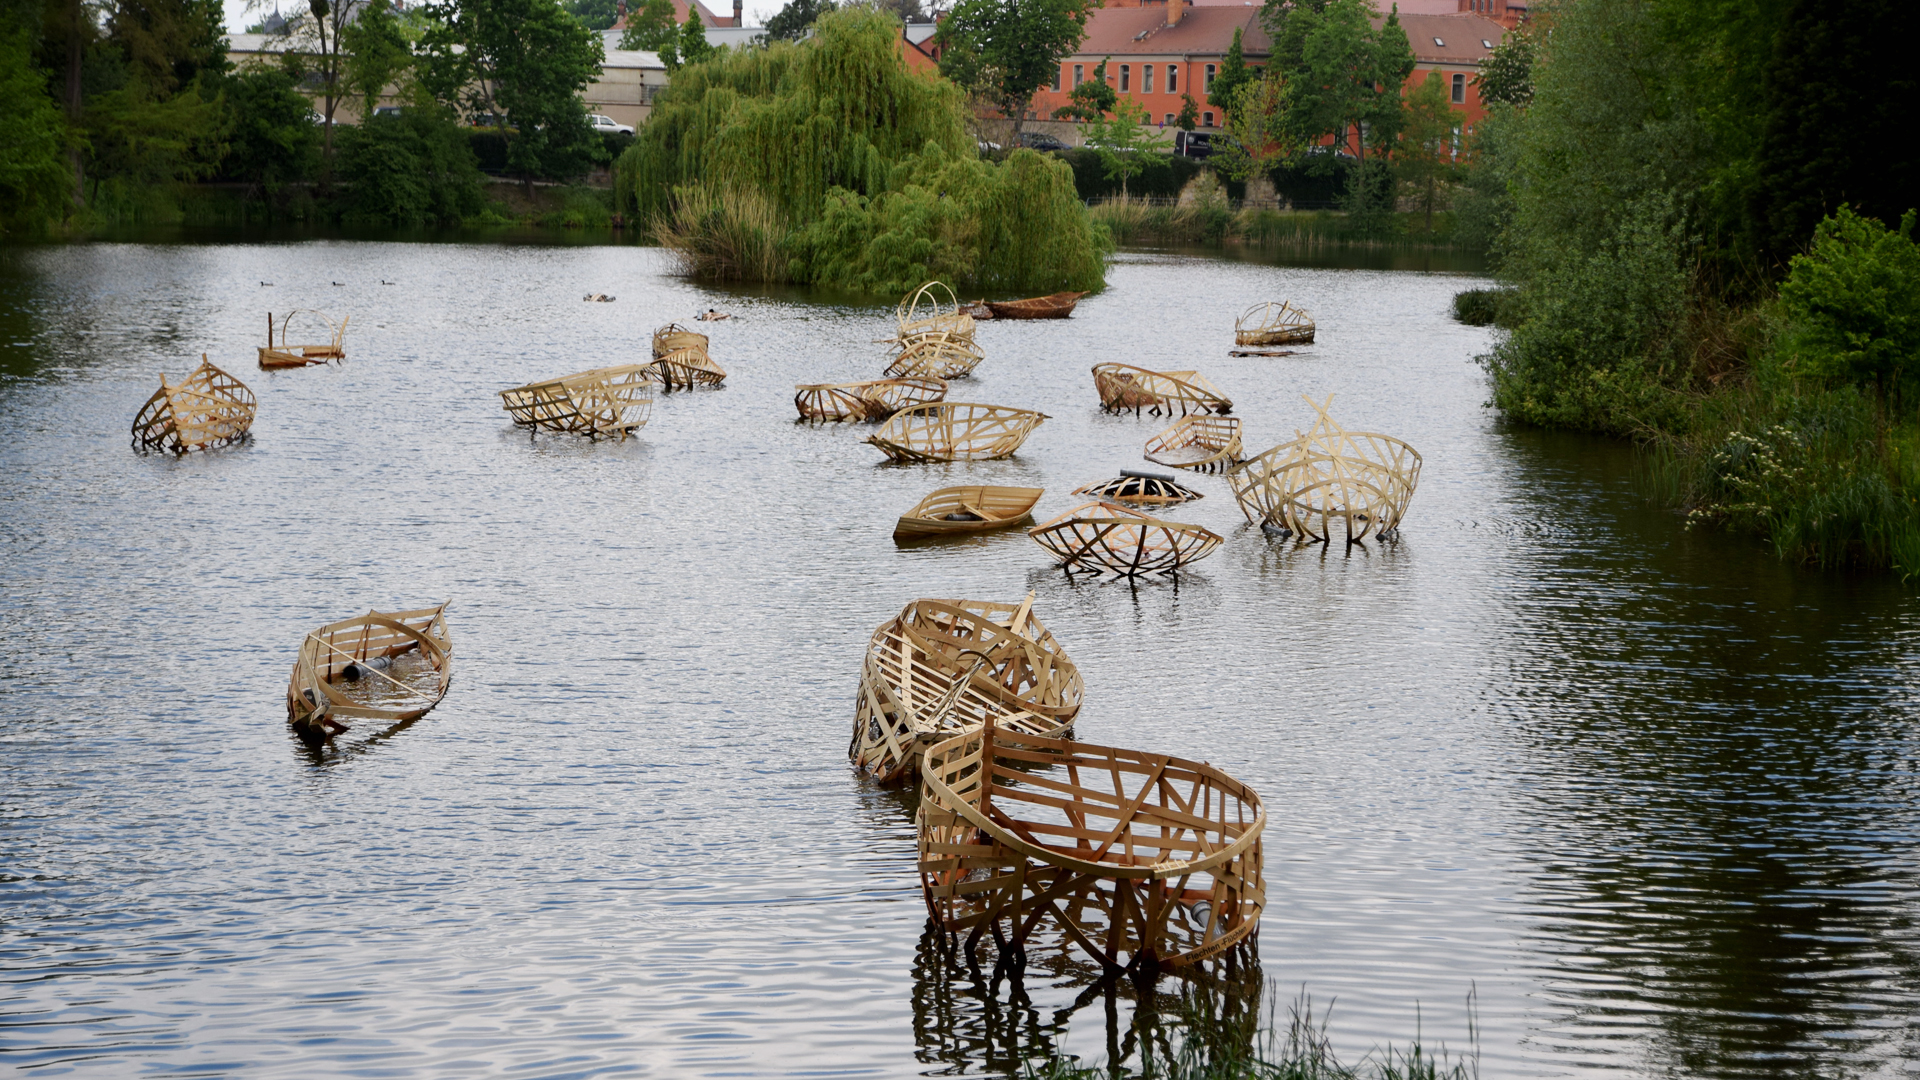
(1648, 792)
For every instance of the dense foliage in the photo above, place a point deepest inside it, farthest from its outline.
(1004, 51)
(862, 173)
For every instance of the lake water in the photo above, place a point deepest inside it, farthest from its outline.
(1649, 796)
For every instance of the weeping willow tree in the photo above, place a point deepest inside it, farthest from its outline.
(861, 173)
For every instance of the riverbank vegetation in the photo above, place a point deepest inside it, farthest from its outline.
(827, 162)
(1715, 257)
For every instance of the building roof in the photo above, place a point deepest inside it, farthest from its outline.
(633, 58)
(680, 8)
(1449, 39)
(1202, 31)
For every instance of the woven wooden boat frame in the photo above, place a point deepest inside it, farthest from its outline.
(316, 700)
(954, 511)
(612, 401)
(923, 312)
(1103, 536)
(935, 356)
(674, 337)
(284, 355)
(1275, 322)
(1052, 306)
(1136, 489)
(1123, 386)
(684, 369)
(875, 399)
(205, 409)
(1146, 861)
(943, 667)
(1361, 479)
(1207, 444)
(955, 431)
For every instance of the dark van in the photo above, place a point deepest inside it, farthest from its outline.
(1194, 144)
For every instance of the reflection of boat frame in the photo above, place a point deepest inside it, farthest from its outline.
(205, 409)
(1015, 829)
(314, 696)
(607, 401)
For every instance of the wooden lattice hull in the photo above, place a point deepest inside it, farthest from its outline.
(924, 312)
(332, 680)
(205, 409)
(935, 356)
(955, 431)
(1362, 481)
(612, 402)
(1145, 861)
(1100, 536)
(1140, 489)
(956, 510)
(875, 399)
(673, 337)
(685, 369)
(1123, 387)
(942, 667)
(1207, 444)
(1054, 306)
(1275, 322)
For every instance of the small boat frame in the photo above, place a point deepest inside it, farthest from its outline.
(1052, 306)
(1137, 489)
(332, 656)
(1123, 386)
(1207, 444)
(674, 337)
(953, 511)
(923, 312)
(1363, 479)
(1103, 536)
(205, 409)
(875, 399)
(942, 667)
(936, 356)
(955, 431)
(687, 368)
(1275, 322)
(1145, 861)
(284, 355)
(613, 401)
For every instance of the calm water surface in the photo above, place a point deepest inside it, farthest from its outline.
(1648, 796)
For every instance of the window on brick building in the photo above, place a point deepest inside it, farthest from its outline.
(1173, 79)
(1056, 80)
(1207, 87)
(1126, 77)
(1459, 89)
(1146, 78)
(1167, 120)
(1206, 119)
(1079, 74)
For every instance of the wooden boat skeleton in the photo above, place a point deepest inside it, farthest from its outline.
(687, 368)
(1363, 480)
(1197, 444)
(945, 666)
(874, 399)
(674, 337)
(923, 312)
(360, 650)
(953, 511)
(1143, 860)
(1124, 386)
(935, 356)
(1274, 322)
(612, 402)
(1101, 536)
(1052, 306)
(283, 355)
(1138, 489)
(205, 409)
(955, 431)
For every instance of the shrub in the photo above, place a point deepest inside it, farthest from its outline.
(409, 169)
(273, 141)
(1853, 303)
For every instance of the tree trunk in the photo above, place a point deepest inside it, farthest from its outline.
(75, 20)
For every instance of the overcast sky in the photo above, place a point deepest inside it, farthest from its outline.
(757, 13)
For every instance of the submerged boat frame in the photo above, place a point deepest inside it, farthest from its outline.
(1123, 386)
(205, 409)
(1102, 536)
(1207, 444)
(935, 356)
(923, 312)
(284, 355)
(955, 431)
(612, 401)
(1138, 489)
(1361, 479)
(874, 399)
(673, 337)
(315, 700)
(1273, 322)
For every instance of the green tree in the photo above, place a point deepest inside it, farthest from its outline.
(1189, 117)
(1506, 75)
(693, 40)
(651, 27)
(1259, 136)
(1004, 51)
(1853, 303)
(596, 15)
(410, 169)
(1423, 159)
(166, 44)
(273, 141)
(793, 21)
(1122, 143)
(34, 173)
(314, 37)
(1344, 77)
(1092, 99)
(379, 55)
(1233, 75)
(136, 138)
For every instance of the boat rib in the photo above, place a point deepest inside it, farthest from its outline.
(1123, 386)
(955, 431)
(284, 355)
(612, 401)
(1274, 322)
(348, 669)
(1143, 860)
(1099, 536)
(205, 409)
(954, 510)
(942, 667)
(1198, 444)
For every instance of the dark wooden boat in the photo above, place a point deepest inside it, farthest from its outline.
(1057, 306)
(971, 509)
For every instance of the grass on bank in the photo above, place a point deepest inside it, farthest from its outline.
(497, 204)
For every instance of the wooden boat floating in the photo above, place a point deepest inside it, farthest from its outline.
(1276, 322)
(1197, 444)
(674, 337)
(955, 510)
(1052, 306)
(284, 355)
(1364, 480)
(875, 399)
(942, 667)
(1146, 861)
(1099, 536)
(1123, 386)
(1136, 489)
(380, 666)
(613, 401)
(923, 312)
(205, 409)
(936, 356)
(955, 431)
(687, 368)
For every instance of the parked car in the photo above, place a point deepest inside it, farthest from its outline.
(608, 124)
(388, 110)
(1040, 140)
(1197, 145)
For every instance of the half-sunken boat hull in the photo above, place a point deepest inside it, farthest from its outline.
(955, 431)
(687, 368)
(1143, 860)
(1101, 536)
(1275, 322)
(955, 510)
(205, 409)
(1207, 444)
(1054, 306)
(613, 402)
(282, 355)
(1123, 386)
(1361, 479)
(874, 399)
(936, 356)
(332, 679)
(673, 337)
(1140, 489)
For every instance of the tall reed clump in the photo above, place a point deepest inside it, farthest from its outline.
(727, 235)
(864, 169)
